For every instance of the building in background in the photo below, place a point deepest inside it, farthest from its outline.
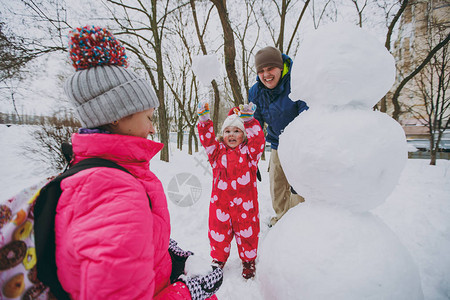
(422, 25)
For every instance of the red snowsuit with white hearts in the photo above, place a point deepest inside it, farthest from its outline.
(233, 208)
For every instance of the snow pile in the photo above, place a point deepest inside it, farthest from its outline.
(345, 159)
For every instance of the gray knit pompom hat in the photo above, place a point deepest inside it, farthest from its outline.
(102, 89)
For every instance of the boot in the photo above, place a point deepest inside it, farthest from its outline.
(249, 269)
(220, 264)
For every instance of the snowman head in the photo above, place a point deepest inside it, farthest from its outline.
(339, 65)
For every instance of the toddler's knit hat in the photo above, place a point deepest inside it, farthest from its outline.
(102, 89)
(233, 120)
(268, 57)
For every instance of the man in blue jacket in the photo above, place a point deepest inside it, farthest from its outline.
(274, 107)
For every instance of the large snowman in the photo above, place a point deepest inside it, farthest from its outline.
(345, 159)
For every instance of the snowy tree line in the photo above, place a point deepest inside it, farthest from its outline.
(35, 119)
(163, 37)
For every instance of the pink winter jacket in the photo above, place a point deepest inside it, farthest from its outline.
(109, 243)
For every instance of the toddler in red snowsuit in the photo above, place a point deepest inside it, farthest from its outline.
(233, 209)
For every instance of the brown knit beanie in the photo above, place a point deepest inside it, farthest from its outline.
(268, 57)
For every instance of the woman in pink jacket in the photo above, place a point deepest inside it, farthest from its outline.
(233, 209)
(112, 228)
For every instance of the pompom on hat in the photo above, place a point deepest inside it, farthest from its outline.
(233, 120)
(268, 57)
(102, 89)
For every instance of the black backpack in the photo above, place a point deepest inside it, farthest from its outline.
(44, 223)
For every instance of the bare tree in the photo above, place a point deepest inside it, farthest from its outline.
(49, 136)
(229, 51)
(148, 30)
(282, 12)
(16, 53)
(200, 35)
(391, 23)
(288, 9)
(300, 18)
(432, 83)
(328, 10)
(182, 81)
(426, 60)
(247, 44)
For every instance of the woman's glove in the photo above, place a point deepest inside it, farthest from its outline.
(178, 257)
(203, 111)
(246, 111)
(203, 287)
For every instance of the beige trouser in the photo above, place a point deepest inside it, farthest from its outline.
(282, 198)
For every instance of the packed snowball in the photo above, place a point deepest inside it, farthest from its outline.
(348, 158)
(318, 252)
(206, 68)
(341, 64)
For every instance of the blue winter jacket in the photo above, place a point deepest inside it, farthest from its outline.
(274, 106)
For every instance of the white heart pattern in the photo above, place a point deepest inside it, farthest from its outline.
(244, 179)
(222, 185)
(251, 254)
(217, 236)
(222, 216)
(247, 232)
(237, 201)
(248, 205)
(210, 149)
(252, 131)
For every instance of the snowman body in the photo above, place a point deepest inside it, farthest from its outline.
(345, 159)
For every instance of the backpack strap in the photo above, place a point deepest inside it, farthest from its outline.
(44, 223)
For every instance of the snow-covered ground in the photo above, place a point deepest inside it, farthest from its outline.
(418, 210)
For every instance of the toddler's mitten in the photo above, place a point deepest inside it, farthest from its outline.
(247, 111)
(203, 287)
(178, 257)
(203, 111)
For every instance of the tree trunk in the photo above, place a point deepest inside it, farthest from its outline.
(162, 116)
(195, 143)
(229, 51)
(215, 115)
(280, 42)
(387, 44)
(383, 104)
(433, 157)
(180, 133)
(191, 134)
